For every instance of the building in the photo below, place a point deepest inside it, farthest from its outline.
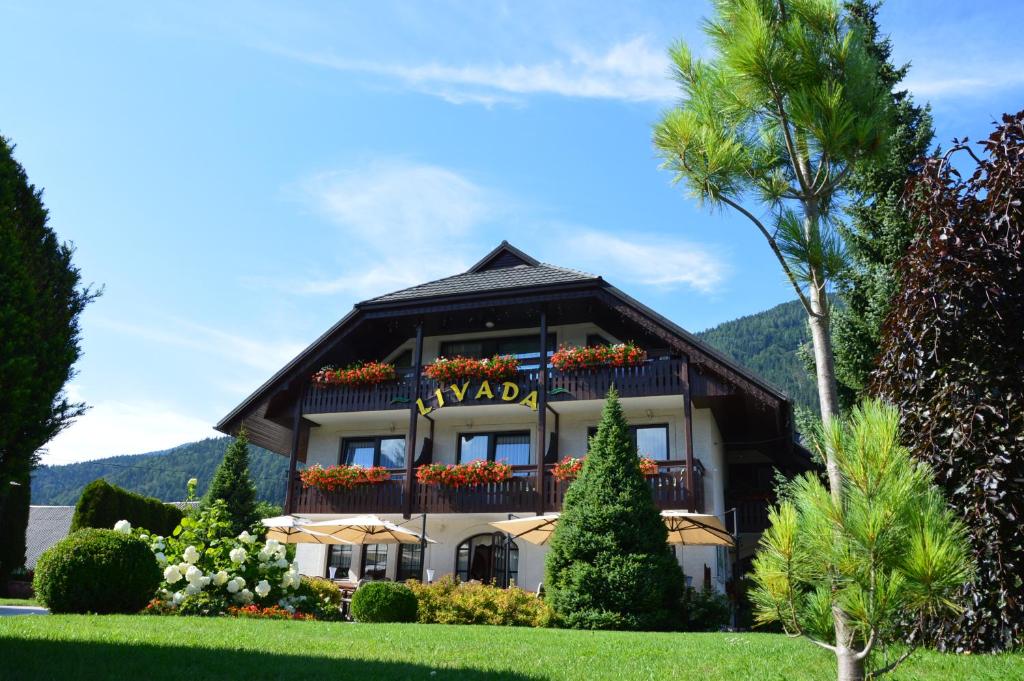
(717, 432)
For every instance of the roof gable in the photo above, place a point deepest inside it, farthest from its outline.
(505, 255)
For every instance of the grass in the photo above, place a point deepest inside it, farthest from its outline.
(19, 601)
(176, 648)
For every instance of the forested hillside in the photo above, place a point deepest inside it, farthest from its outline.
(767, 343)
(161, 474)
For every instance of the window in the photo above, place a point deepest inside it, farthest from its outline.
(520, 347)
(512, 448)
(375, 561)
(339, 557)
(482, 558)
(373, 451)
(596, 339)
(410, 562)
(403, 360)
(650, 441)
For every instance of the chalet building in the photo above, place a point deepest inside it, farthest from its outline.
(716, 431)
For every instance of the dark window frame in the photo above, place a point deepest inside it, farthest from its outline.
(592, 431)
(341, 549)
(492, 443)
(377, 439)
(417, 573)
(498, 540)
(362, 560)
(490, 345)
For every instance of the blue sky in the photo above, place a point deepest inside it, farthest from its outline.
(238, 174)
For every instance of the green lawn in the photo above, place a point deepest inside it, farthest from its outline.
(187, 649)
(19, 601)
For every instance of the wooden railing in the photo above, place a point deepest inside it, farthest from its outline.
(654, 377)
(516, 495)
(751, 513)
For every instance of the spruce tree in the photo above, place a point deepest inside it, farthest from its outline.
(232, 484)
(610, 566)
(879, 229)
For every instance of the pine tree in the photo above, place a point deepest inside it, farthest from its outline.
(610, 566)
(880, 229)
(232, 484)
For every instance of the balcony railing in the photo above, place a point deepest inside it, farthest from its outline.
(519, 494)
(654, 377)
(751, 512)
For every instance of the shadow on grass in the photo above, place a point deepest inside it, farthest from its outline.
(31, 660)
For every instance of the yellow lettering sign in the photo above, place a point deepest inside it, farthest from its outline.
(510, 391)
(459, 394)
(440, 398)
(484, 391)
(424, 409)
(530, 400)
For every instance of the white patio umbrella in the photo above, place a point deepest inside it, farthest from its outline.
(690, 529)
(367, 529)
(288, 529)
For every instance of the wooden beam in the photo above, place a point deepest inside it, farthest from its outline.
(691, 493)
(410, 440)
(542, 409)
(289, 496)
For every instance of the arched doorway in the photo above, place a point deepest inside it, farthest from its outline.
(490, 558)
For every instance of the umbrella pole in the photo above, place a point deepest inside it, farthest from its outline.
(423, 550)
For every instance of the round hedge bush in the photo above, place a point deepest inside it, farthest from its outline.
(100, 571)
(384, 602)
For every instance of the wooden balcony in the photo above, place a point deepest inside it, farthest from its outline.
(516, 495)
(751, 512)
(654, 377)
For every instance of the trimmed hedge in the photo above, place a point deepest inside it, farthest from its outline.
(100, 571)
(384, 602)
(102, 504)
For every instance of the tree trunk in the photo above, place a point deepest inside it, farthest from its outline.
(849, 666)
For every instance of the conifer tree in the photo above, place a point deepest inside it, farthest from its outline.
(610, 566)
(232, 484)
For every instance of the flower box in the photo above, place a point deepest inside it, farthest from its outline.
(570, 359)
(367, 373)
(464, 474)
(342, 477)
(569, 467)
(497, 368)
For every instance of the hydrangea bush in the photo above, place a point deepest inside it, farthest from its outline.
(203, 556)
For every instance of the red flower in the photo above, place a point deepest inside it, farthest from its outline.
(368, 373)
(568, 468)
(497, 368)
(569, 359)
(464, 474)
(345, 477)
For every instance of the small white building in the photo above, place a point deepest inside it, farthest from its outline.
(716, 431)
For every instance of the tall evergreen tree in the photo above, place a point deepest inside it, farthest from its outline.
(610, 566)
(879, 230)
(41, 297)
(232, 484)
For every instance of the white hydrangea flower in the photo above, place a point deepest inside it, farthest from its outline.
(194, 575)
(281, 552)
(172, 574)
(205, 581)
(243, 596)
(158, 546)
(178, 597)
(183, 568)
(233, 587)
(246, 538)
(144, 537)
(161, 558)
(192, 589)
(221, 578)
(237, 555)
(123, 526)
(263, 588)
(241, 582)
(191, 555)
(282, 562)
(193, 481)
(264, 555)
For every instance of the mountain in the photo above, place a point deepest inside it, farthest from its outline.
(162, 474)
(767, 344)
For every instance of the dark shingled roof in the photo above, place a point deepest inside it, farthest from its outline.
(520, 276)
(47, 525)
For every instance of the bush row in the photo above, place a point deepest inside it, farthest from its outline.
(102, 504)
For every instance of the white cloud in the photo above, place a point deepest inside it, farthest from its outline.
(650, 260)
(256, 354)
(113, 427)
(954, 82)
(632, 70)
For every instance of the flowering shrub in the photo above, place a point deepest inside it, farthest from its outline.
(497, 368)
(568, 468)
(446, 601)
(203, 556)
(269, 612)
(464, 474)
(364, 373)
(343, 476)
(576, 358)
